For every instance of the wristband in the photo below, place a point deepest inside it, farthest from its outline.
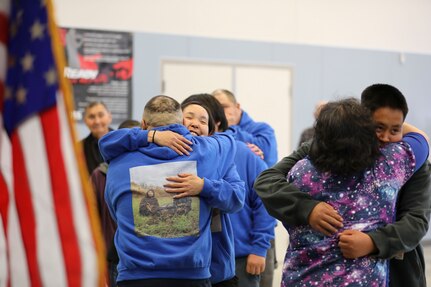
(154, 133)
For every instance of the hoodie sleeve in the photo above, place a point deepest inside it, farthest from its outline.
(282, 199)
(226, 194)
(420, 147)
(262, 135)
(120, 141)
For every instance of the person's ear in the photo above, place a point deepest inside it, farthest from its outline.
(143, 124)
(217, 126)
(238, 106)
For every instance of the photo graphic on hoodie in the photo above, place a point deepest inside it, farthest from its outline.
(156, 212)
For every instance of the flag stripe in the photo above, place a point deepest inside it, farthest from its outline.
(5, 7)
(4, 201)
(48, 222)
(66, 224)
(47, 231)
(89, 257)
(5, 167)
(5, 159)
(4, 211)
(3, 63)
(18, 269)
(25, 210)
(19, 273)
(84, 204)
(93, 261)
(3, 27)
(4, 265)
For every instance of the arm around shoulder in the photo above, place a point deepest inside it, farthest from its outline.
(413, 214)
(419, 145)
(120, 141)
(282, 199)
(408, 128)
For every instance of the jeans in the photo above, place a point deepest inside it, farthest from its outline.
(271, 263)
(245, 279)
(165, 283)
(227, 283)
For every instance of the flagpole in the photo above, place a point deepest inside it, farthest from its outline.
(66, 89)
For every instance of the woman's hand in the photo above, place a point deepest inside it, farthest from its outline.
(325, 219)
(175, 141)
(185, 184)
(254, 148)
(355, 244)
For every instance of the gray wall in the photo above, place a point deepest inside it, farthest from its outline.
(319, 73)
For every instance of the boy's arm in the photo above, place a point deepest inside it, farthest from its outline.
(408, 128)
(282, 199)
(413, 214)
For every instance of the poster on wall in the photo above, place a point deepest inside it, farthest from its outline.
(100, 68)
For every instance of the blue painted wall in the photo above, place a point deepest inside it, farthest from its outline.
(319, 73)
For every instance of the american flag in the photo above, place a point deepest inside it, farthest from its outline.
(49, 231)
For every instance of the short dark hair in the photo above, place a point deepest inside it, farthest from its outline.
(345, 141)
(211, 125)
(93, 104)
(383, 95)
(215, 108)
(161, 111)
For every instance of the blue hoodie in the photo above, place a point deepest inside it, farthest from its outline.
(247, 231)
(161, 237)
(253, 226)
(260, 134)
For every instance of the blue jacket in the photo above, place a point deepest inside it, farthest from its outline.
(253, 226)
(260, 134)
(223, 251)
(248, 231)
(164, 238)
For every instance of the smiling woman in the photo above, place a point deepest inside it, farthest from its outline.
(197, 119)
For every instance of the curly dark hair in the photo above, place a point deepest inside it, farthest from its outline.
(345, 141)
